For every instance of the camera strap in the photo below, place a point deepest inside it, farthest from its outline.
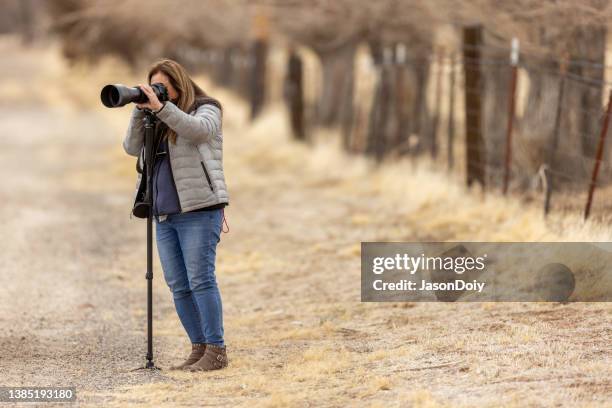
(140, 161)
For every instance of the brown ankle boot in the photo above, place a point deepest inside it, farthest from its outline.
(197, 351)
(214, 358)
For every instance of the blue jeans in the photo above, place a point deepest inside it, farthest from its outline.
(187, 245)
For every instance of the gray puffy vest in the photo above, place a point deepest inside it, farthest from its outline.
(196, 159)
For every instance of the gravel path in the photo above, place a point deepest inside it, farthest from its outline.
(72, 299)
(66, 316)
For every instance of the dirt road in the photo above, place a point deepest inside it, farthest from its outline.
(73, 293)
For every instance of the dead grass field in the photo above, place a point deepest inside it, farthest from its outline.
(296, 331)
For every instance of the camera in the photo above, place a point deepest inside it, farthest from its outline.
(117, 95)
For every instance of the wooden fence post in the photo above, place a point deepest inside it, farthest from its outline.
(437, 102)
(401, 130)
(384, 104)
(600, 148)
(514, 56)
(550, 167)
(472, 40)
(451, 113)
(294, 94)
(259, 54)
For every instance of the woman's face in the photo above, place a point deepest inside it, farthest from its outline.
(160, 77)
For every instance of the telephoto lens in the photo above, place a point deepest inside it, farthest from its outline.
(117, 95)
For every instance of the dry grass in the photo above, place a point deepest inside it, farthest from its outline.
(296, 330)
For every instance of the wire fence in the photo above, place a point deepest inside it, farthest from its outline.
(508, 119)
(533, 120)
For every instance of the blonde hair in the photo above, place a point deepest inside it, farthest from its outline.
(190, 95)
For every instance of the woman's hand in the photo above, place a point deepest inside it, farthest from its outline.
(153, 104)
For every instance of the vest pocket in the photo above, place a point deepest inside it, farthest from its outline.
(207, 176)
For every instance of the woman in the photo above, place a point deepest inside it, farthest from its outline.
(189, 194)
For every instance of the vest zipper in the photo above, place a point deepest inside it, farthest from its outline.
(207, 176)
